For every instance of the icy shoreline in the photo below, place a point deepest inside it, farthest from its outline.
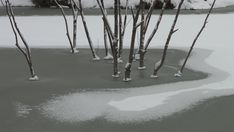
(189, 4)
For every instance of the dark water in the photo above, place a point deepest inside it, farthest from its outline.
(60, 73)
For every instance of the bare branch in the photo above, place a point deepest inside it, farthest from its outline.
(66, 24)
(195, 40)
(80, 8)
(168, 41)
(175, 31)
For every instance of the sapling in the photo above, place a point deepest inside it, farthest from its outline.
(122, 28)
(180, 72)
(26, 52)
(128, 66)
(159, 64)
(108, 56)
(144, 27)
(80, 9)
(113, 37)
(75, 17)
(116, 35)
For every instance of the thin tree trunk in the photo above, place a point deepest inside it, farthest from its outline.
(128, 66)
(115, 43)
(113, 39)
(75, 20)
(16, 30)
(80, 9)
(159, 64)
(142, 36)
(156, 26)
(108, 56)
(195, 40)
(122, 28)
(120, 32)
(66, 25)
(143, 48)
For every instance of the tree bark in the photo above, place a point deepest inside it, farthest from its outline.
(142, 36)
(128, 66)
(115, 43)
(75, 18)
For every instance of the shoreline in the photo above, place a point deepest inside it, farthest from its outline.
(32, 11)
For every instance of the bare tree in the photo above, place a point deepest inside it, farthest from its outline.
(144, 27)
(107, 53)
(113, 37)
(122, 28)
(159, 64)
(76, 10)
(128, 66)
(75, 17)
(180, 72)
(116, 34)
(26, 52)
(80, 9)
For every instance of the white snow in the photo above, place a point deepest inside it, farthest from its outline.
(108, 57)
(143, 103)
(188, 4)
(20, 2)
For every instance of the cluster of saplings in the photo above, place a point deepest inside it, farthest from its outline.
(114, 38)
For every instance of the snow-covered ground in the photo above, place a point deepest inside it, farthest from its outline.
(188, 4)
(143, 103)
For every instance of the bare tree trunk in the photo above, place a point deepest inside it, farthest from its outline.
(75, 20)
(142, 36)
(120, 31)
(67, 28)
(26, 52)
(159, 64)
(113, 40)
(128, 66)
(80, 9)
(108, 55)
(157, 25)
(180, 72)
(144, 27)
(115, 43)
(122, 28)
